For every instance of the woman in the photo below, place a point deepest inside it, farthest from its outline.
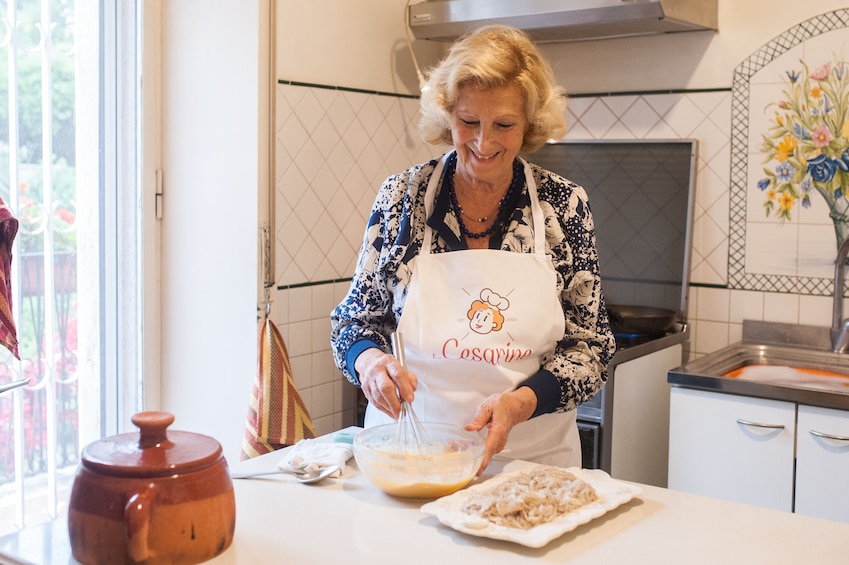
(486, 264)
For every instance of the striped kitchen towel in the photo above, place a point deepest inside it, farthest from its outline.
(277, 416)
(8, 231)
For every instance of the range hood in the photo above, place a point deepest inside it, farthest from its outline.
(562, 20)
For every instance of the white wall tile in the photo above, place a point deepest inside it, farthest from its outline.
(324, 424)
(662, 103)
(320, 327)
(771, 248)
(685, 118)
(323, 368)
(598, 119)
(339, 146)
(299, 340)
(746, 305)
(341, 113)
(662, 130)
(324, 238)
(815, 310)
(323, 299)
(711, 336)
(322, 400)
(735, 333)
(713, 304)
(619, 105)
(287, 269)
(298, 302)
(617, 130)
(309, 256)
(306, 396)
(780, 307)
(291, 135)
(314, 373)
(712, 139)
(576, 130)
(301, 374)
(817, 251)
(577, 106)
(640, 118)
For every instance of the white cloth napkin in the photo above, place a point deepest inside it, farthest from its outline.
(310, 457)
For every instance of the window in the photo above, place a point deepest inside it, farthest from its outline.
(69, 170)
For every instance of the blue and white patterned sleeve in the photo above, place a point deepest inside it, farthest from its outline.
(370, 311)
(581, 358)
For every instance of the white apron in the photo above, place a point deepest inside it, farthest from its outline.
(478, 322)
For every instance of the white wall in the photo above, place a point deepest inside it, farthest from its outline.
(362, 45)
(691, 60)
(210, 112)
(356, 44)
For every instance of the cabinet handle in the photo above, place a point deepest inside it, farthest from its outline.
(828, 436)
(760, 424)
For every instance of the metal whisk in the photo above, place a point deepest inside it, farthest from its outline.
(410, 435)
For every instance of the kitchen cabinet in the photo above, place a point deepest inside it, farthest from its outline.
(639, 423)
(742, 449)
(732, 447)
(822, 463)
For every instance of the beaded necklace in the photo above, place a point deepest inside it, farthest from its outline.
(458, 211)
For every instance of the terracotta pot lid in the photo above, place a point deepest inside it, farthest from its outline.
(152, 452)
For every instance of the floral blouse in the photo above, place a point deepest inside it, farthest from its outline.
(372, 308)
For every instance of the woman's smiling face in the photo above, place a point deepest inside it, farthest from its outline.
(488, 128)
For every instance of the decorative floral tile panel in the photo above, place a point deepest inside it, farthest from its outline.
(790, 128)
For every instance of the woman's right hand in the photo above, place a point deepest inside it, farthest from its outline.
(383, 379)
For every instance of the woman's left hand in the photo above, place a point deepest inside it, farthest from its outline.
(499, 413)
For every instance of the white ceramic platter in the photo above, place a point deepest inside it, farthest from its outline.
(611, 494)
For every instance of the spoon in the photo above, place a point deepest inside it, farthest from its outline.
(15, 384)
(306, 479)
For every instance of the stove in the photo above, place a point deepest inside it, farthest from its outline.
(624, 428)
(626, 340)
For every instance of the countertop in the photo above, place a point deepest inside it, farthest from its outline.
(347, 520)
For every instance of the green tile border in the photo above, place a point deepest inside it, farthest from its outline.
(581, 95)
(347, 89)
(648, 92)
(348, 280)
(312, 283)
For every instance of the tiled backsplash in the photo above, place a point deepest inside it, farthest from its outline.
(704, 116)
(303, 318)
(335, 147)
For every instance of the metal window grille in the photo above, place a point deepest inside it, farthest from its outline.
(60, 97)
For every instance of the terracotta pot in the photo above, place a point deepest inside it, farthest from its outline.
(151, 497)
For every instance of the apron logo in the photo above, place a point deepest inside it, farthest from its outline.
(485, 315)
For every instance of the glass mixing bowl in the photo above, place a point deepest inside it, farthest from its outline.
(444, 463)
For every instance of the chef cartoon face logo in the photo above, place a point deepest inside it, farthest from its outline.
(485, 315)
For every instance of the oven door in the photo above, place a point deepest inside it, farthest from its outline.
(590, 434)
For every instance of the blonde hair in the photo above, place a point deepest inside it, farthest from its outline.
(494, 56)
